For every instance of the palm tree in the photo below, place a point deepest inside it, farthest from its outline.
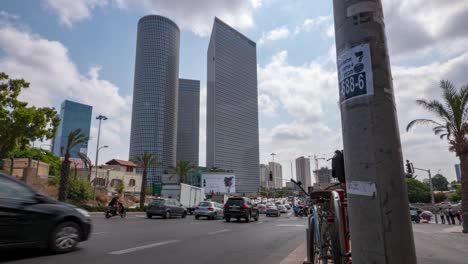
(452, 113)
(145, 161)
(183, 168)
(75, 138)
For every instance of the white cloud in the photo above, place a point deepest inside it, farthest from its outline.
(266, 105)
(302, 90)
(274, 34)
(54, 77)
(310, 24)
(256, 3)
(423, 27)
(70, 12)
(196, 16)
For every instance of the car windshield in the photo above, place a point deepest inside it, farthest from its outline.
(204, 204)
(238, 202)
(158, 202)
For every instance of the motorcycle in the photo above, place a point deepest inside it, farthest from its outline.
(414, 213)
(301, 211)
(113, 211)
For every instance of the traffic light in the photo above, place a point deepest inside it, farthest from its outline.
(338, 167)
(409, 167)
(271, 176)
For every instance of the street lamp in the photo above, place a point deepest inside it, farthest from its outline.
(100, 118)
(40, 155)
(96, 165)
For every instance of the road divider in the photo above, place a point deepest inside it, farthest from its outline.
(129, 250)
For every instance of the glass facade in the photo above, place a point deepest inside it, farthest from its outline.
(155, 92)
(188, 122)
(73, 115)
(232, 106)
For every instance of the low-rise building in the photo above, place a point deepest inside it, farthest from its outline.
(108, 176)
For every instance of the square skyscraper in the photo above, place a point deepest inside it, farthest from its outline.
(73, 115)
(232, 106)
(188, 121)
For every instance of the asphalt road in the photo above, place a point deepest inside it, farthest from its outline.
(140, 240)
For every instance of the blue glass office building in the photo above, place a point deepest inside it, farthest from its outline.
(73, 115)
(155, 92)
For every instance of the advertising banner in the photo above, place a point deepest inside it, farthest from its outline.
(219, 183)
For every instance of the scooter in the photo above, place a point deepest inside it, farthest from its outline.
(112, 211)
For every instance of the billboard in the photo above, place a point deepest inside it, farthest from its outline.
(219, 183)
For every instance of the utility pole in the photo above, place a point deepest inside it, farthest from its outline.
(379, 217)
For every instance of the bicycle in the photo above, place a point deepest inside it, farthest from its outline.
(328, 235)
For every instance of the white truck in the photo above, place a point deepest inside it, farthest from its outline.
(189, 196)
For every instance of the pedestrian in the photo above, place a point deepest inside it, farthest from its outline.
(447, 216)
(458, 215)
(441, 213)
(451, 214)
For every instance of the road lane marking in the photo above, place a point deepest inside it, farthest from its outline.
(129, 250)
(291, 225)
(99, 233)
(219, 231)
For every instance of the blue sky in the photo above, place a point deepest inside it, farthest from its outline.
(84, 50)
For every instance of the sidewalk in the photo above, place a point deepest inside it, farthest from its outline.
(435, 244)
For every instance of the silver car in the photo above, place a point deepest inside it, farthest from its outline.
(272, 210)
(210, 210)
(282, 209)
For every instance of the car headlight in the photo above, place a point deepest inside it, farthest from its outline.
(83, 212)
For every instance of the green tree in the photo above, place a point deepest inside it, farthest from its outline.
(440, 183)
(418, 192)
(20, 124)
(452, 115)
(456, 197)
(75, 138)
(120, 187)
(46, 157)
(145, 161)
(183, 168)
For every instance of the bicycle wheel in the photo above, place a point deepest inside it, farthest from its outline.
(335, 246)
(315, 243)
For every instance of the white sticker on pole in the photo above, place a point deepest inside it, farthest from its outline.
(361, 188)
(355, 72)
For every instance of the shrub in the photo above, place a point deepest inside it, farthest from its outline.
(440, 197)
(79, 191)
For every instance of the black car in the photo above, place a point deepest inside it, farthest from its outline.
(166, 208)
(240, 207)
(28, 218)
